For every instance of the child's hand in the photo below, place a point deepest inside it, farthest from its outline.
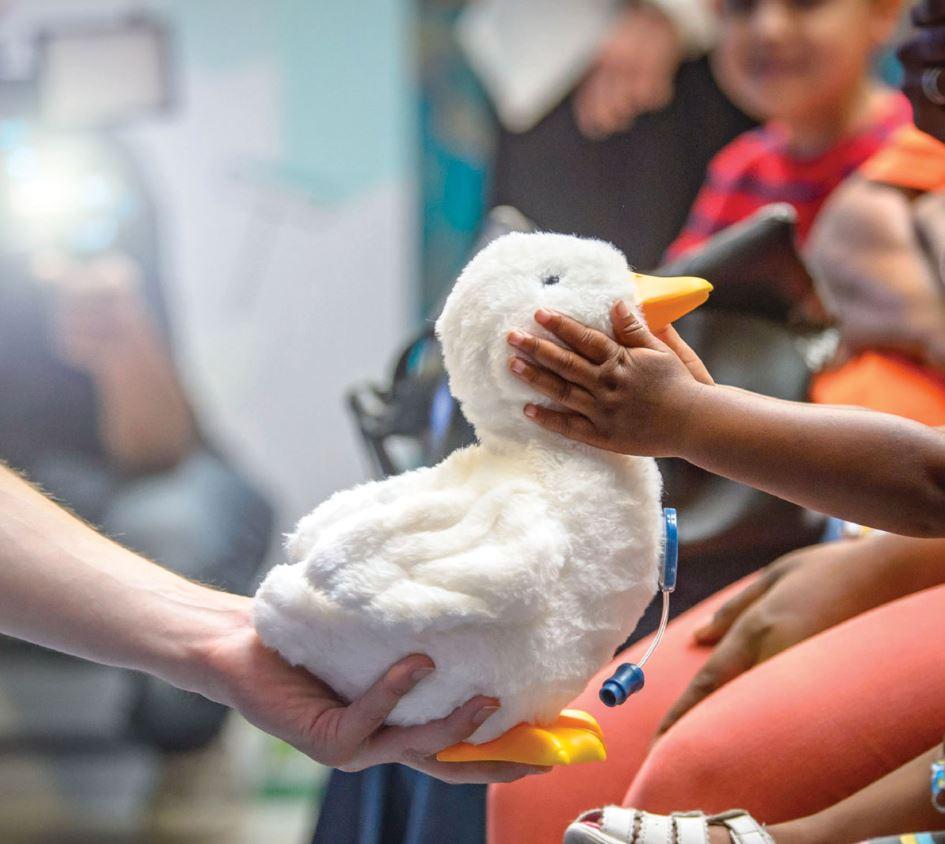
(633, 396)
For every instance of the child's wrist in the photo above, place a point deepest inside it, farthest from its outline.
(691, 410)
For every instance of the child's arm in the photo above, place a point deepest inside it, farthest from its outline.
(638, 397)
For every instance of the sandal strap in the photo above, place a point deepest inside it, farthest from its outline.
(742, 827)
(691, 828)
(610, 825)
(618, 823)
(655, 829)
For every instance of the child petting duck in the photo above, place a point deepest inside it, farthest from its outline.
(518, 564)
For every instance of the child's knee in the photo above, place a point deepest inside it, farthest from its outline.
(687, 769)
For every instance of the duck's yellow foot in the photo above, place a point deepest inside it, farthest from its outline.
(573, 738)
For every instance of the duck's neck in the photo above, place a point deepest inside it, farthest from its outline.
(551, 452)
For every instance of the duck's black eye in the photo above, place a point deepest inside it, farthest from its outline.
(548, 280)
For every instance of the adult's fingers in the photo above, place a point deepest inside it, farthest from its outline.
(547, 383)
(733, 656)
(652, 84)
(630, 331)
(621, 103)
(564, 362)
(574, 426)
(684, 352)
(726, 615)
(593, 345)
(415, 743)
(588, 105)
(364, 716)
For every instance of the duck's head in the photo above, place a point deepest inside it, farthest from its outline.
(502, 287)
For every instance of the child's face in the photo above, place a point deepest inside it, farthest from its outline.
(796, 59)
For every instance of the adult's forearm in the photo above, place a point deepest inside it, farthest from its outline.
(896, 804)
(65, 586)
(871, 468)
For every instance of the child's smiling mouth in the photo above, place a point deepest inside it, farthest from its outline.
(768, 67)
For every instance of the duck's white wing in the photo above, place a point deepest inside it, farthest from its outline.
(434, 549)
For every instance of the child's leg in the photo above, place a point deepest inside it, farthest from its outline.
(538, 809)
(812, 725)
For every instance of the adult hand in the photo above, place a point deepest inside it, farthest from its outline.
(633, 72)
(923, 51)
(300, 709)
(631, 395)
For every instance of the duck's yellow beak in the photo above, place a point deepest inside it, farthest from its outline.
(664, 300)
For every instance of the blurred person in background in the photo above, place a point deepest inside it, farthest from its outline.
(830, 126)
(93, 409)
(805, 69)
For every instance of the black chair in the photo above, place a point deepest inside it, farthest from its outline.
(753, 264)
(413, 420)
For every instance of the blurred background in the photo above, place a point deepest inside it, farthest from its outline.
(226, 227)
(236, 183)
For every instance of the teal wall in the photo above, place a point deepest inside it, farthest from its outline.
(347, 77)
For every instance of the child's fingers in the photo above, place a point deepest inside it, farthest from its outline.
(571, 425)
(685, 353)
(629, 330)
(593, 345)
(725, 616)
(569, 365)
(548, 384)
(734, 655)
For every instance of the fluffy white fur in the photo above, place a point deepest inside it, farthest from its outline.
(518, 564)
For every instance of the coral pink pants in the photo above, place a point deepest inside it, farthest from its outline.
(790, 737)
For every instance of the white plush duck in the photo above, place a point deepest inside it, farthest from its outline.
(518, 564)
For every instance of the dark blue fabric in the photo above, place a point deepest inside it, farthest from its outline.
(391, 804)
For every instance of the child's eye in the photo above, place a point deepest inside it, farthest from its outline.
(548, 280)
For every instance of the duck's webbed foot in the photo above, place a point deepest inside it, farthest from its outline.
(573, 738)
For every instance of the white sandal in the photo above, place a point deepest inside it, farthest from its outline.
(616, 825)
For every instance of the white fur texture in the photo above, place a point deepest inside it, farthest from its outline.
(518, 564)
